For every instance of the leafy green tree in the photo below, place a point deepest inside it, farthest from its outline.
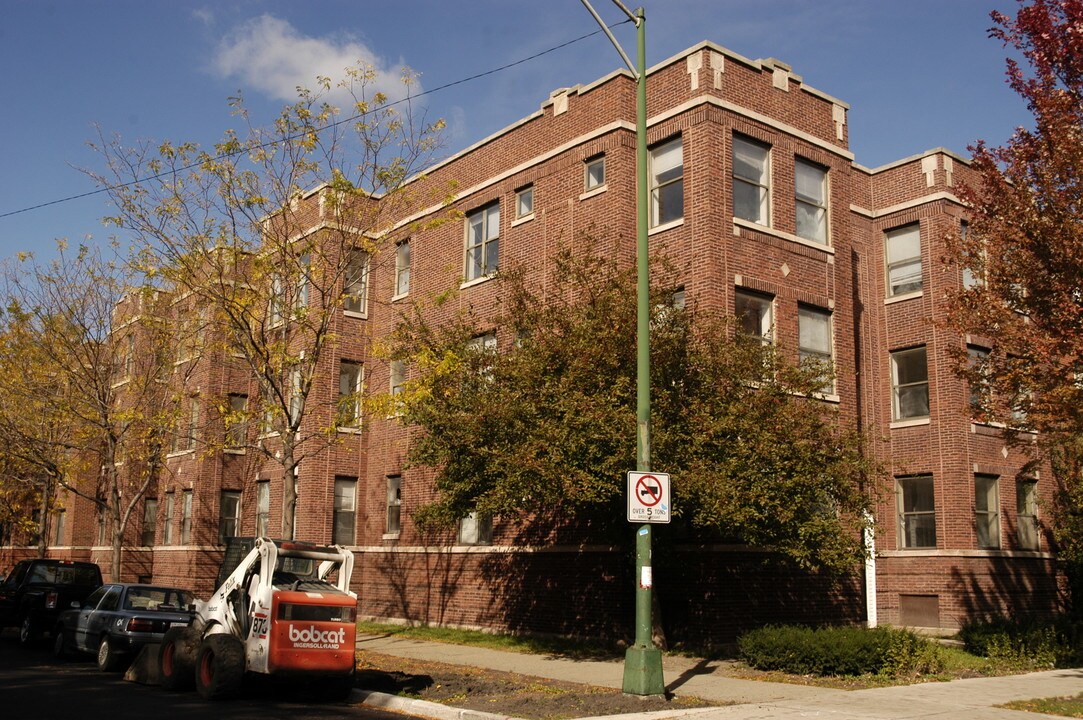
(1023, 256)
(544, 427)
(273, 232)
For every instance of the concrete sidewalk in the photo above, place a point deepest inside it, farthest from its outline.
(755, 700)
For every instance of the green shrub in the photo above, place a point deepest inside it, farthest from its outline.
(1026, 642)
(839, 651)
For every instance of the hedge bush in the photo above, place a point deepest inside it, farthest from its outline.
(1026, 642)
(839, 651)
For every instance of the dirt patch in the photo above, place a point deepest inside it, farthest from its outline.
(502, 693)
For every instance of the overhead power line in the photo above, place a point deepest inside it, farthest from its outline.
(358, 116)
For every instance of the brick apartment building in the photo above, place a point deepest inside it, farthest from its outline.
(765, 213)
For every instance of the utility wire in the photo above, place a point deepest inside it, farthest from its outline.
(222, 156)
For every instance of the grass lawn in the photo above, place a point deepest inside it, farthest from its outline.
(1067, 706)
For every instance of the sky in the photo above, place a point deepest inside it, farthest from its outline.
(918, 74)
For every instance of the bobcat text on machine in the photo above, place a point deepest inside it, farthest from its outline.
(286, 610)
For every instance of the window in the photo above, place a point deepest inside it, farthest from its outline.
(810, 182)
(482, 242)
(276, 303)
(345, 512)
(297, 399)
(1026, 508)
(909, 384)
(229, 516)
(903, 252)
(970, 277)
(355, 284)
(814, 342)
(349, 394)
(129, 354)
(398, 377)
(524, 203)
(101, 527)
(394, 504)
(237, 422)
(987, 510)
(483, 344)
(184, 430)
(667, 182)
(917, 516)
(58, 534)
(186, 517)
(167, 522)
(594, 172)
(150, 518)
(300, 299)
(754, 315)
(751, 181)
(263, 508)
(979, 389)
(402, 268)
(475, 529)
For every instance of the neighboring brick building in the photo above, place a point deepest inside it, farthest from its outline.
(764, 212)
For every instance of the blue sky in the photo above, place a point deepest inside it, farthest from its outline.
(918, 74)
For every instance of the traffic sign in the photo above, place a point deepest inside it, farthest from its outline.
(648, 497)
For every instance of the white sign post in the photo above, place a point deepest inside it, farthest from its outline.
(648, 497)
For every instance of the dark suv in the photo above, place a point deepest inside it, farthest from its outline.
(36, 591)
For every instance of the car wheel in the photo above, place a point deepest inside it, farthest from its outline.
(60, 644)
(28, 630)
(176, 659)
(219, 667)
(108, 658)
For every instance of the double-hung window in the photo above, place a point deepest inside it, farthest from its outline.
(355, 285)
(909, 384)
(903, 252)
(594, 173)
(350, 376)
(483, 242)
(394, 504)
(751, 181)
(229, 515)
(667, 182)
(476, 529)
(1026, 508)
(524, 203)
(150, 519)
(345, 511)
(810, 185)
(917, 511)
(814, 343)
(263, 508)
(987, 510)
(755, 317)
(237, 421)
(186, 517)
(402, 268)
(167, 521)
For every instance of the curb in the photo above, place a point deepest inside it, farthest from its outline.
(424, 708)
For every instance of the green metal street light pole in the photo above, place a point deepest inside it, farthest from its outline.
(642, 661)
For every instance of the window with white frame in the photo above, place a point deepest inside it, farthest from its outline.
(398, 377)
(916, 500)
(237, 421)
(167, 521)
(150, 522)
(184, 429)
(356, 282)
(909, 384)
(58, 528)
(755, 316)
(810, 181)
(483, 242)
(345, 511)
(394, 504)
(972, 269)
(297, 399)
(1026, 509)
(594, 172)
(903, 253)
(300, 298)
(350, 377)
(979, 389)
(987, 510)
(229, 515)
(524, 202)
(263, 508)
(186, 517)
(475, 529)
(814, 343)
(751, 180)
(276, 303)
(667, 182)
(402, 268)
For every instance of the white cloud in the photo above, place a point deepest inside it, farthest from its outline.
(269, 55)
(204, 15)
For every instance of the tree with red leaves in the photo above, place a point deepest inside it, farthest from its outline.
(1022, 292)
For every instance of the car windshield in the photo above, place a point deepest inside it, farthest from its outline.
(64, 575)
(156, 598)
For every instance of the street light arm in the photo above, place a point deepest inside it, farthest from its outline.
(612, 39)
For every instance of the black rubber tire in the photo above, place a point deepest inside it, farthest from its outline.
(177, 659)
(109, 660)
(28, 630)
(337, 689)
(61, 649)
(219, 667)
